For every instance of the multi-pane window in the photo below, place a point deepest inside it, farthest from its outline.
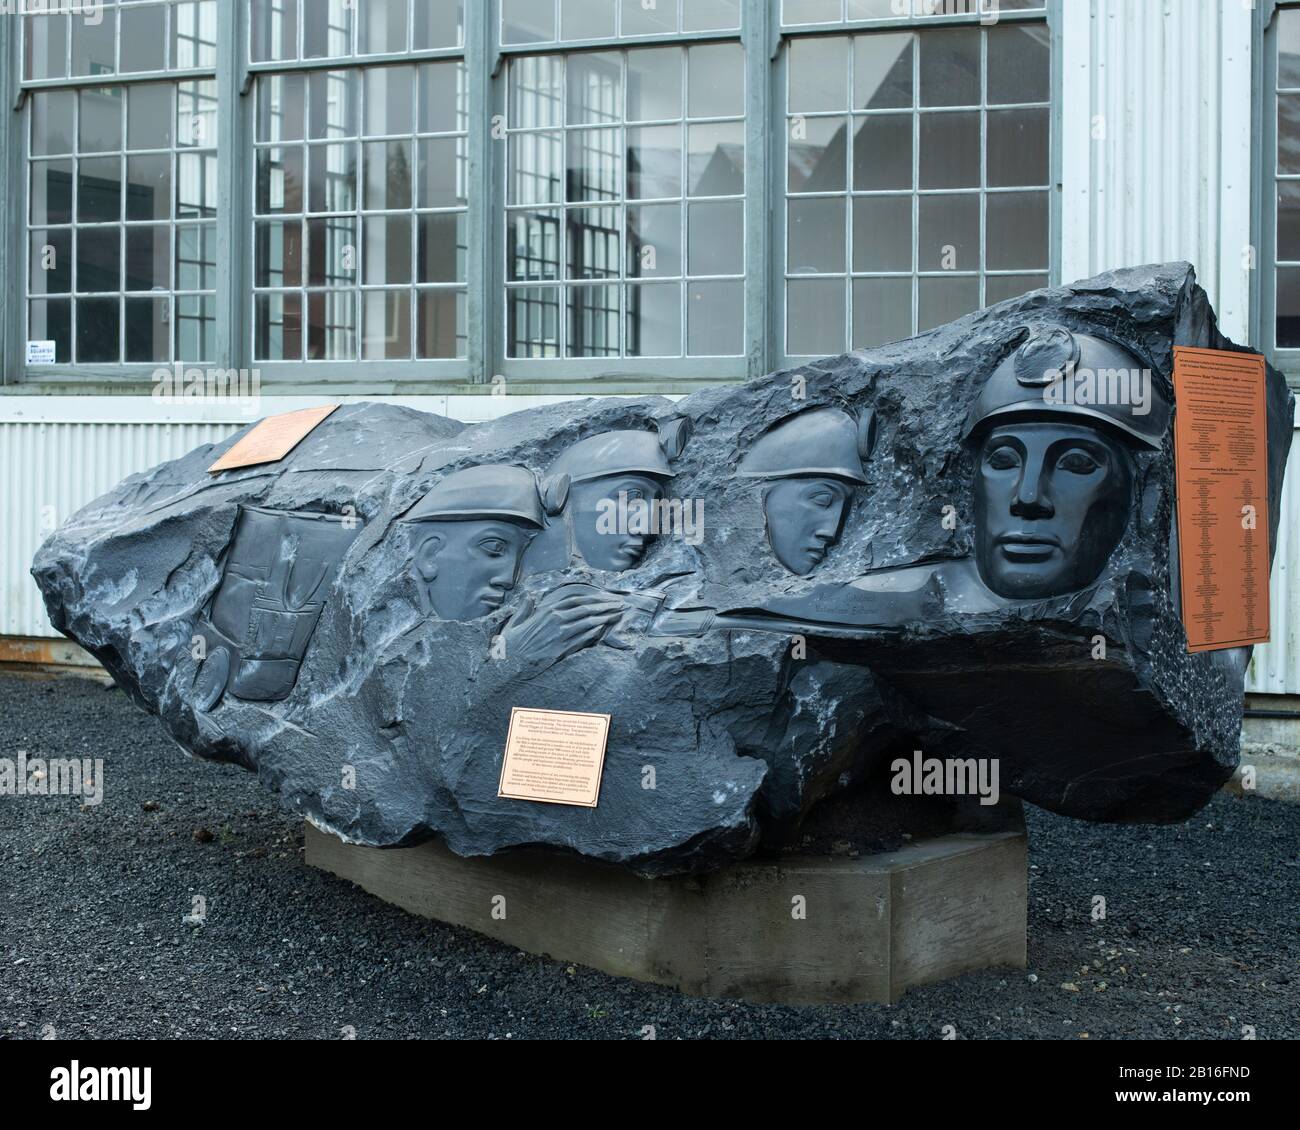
(291, 30)
(625, 184)
(360, 204)
(123, 38)
(436, 189)
(121, 201)
(917, 169)
(796, 12)
(1286, 315)
(121, 240)
(550, 21)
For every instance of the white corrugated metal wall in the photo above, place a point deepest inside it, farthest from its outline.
(1156, 142)
(1155, 130)
(1156, 165)
(51, 470)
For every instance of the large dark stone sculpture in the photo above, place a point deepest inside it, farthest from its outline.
(948, 544)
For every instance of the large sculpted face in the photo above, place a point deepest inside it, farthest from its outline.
(469, 567)
(608, 534)
(1051, 503)
(804, 519)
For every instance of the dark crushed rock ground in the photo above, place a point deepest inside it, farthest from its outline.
(1200, 936)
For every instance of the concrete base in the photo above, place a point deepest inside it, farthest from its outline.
(1272, 719)
(31, 655)
(794, 930)
(1270, 771)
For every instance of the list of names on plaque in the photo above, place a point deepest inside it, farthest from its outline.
(1221, 447)
(554, 756)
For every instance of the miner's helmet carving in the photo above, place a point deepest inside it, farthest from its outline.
(1056, 428)
(811, 461)
(624, 452)
(612, 480)
(1056, 373)
(494, 490)
(470, 532)
(822, 442)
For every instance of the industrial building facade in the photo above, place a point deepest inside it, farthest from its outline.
(468, 205)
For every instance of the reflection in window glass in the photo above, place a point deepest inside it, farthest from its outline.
(926, 154)
(45, 47)
(94, 44)
(139, 37)
(360, 201)
(289, 30)
(525, 22)
(193, 34)
(144, 39)
(327, 28)
(803, 12)
(1287, 234)
(598, 209)
(710, 15)
(121, 244)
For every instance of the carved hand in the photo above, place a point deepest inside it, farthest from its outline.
(542, 633)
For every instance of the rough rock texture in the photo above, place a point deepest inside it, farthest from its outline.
(741, 691)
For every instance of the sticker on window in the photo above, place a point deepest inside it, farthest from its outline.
(40, 353)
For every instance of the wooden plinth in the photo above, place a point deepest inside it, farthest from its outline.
(802, 930)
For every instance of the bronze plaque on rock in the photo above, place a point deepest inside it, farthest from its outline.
(554, 756)
(270, 440)
(1221, 454)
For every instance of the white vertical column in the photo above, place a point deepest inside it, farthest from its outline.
(1237, 261)
(1074, 121)
(1155, 141)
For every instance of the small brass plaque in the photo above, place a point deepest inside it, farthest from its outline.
(554, 756)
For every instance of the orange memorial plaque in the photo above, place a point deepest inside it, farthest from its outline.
(1221, 451)
(270, 440)
(554, 756)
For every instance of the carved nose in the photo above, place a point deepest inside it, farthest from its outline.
(1030, 500)
(826, 529)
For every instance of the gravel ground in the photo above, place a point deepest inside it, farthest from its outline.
(1200, 936)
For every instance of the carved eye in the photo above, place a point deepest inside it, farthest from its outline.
(493, 547)
(822, 498)
(1078, 462)
(1003, 458)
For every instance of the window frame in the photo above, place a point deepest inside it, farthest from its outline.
(1048, 16)
(420, 375)
(485, 367)
(636, 371)
(15, 135)
(1264, 211)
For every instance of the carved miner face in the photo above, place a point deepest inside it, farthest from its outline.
(812, 461)
(1052, 500)
(468, 567)
(468, 535)
(804, 519)
(610, 517)
(613, 480)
